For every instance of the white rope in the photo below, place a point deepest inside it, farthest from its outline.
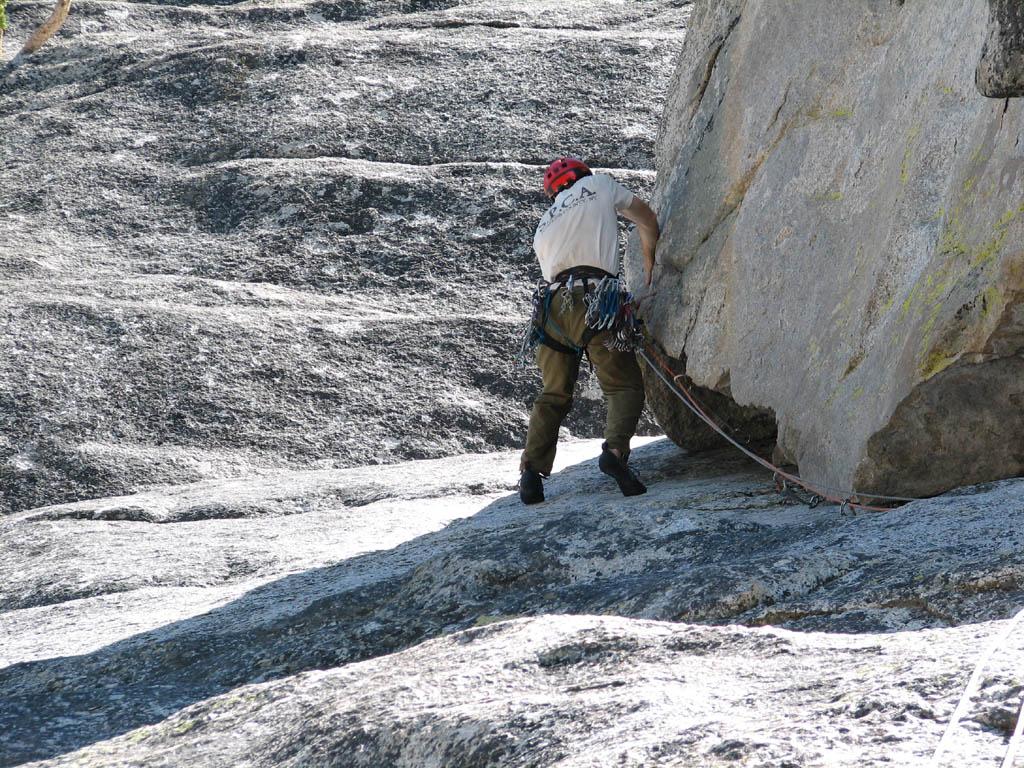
(1011, 750)
(970, 691)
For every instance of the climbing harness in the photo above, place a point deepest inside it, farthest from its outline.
(646, 351)
(610, 307)
(535, 332)
(972, 685)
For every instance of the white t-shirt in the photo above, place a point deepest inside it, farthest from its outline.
(580, 227)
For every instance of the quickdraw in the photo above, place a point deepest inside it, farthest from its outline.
(610, 307)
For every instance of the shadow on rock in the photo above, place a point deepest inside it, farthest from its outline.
(710, 543)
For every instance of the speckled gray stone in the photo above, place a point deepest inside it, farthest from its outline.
(292, 236)
(133, 625)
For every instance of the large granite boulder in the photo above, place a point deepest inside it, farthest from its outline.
(842, 239)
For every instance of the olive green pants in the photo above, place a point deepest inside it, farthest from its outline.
(617, 372)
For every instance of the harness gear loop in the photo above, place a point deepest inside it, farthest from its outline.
(609, 307)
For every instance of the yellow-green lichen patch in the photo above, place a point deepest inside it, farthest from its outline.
(954, 240)
(842, 305)
(926, 332)
(910, 151)
(813, 351)
(964, 252)
(935, 363)
(988, 250)
(832, 398)
(1010, 216)
(992, 297)
(140, 734)
(935, 360)
(905, 310)
(183, 727)
(230, 702)
(903, 169)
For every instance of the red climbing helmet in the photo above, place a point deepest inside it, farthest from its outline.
(563, 173)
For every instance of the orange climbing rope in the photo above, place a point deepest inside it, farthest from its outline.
(646, 351)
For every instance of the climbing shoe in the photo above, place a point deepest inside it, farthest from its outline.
(613, 466)
(531, 487)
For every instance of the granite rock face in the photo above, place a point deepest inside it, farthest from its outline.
(258, 255)
(246, 237)
(361, 617)
(842, 215)
(572, 691)
(1000, 72)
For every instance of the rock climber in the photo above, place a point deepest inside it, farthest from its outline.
(576, 243)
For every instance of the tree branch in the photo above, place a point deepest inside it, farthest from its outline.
(46, 29)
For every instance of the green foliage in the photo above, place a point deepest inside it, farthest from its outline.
(3, 15)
